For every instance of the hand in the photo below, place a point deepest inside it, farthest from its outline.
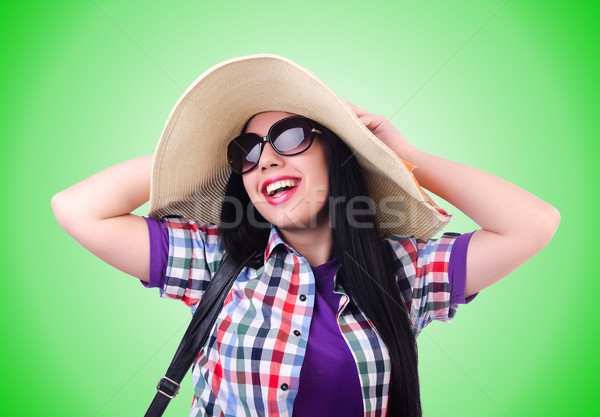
(385, 131)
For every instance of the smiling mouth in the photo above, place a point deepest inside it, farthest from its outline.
(281, 186)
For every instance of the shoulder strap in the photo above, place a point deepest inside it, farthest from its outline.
(195, 336)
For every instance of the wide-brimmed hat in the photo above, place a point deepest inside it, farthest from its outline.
(190, 169)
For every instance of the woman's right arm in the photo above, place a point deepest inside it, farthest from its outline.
(96, 212)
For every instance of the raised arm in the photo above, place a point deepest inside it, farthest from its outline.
(96, 212)
(515, 224)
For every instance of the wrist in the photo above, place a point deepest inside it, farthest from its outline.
(409, 154)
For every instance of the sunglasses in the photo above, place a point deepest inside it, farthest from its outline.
(290, 136)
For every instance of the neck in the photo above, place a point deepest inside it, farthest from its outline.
(314, 244)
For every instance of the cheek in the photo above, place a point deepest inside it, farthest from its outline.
(323, 170)
(319, 178)
(249, 186)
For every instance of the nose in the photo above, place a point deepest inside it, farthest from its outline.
(269, 158)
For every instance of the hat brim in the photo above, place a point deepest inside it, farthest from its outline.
(190, 169)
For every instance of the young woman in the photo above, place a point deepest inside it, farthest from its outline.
(261, 161)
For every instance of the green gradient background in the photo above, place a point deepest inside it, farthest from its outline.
(91, 84)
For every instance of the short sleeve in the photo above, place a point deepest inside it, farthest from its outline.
(159, 248)
(194, 255)
(431, 276)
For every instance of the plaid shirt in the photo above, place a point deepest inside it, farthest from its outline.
(251, 362)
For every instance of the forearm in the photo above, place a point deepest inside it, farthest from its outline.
(494, 204)
(114, 191)
(515, 224)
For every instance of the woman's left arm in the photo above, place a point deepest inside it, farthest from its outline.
(515, 224)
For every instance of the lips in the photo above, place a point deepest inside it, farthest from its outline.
(270, 185)
(278, 181)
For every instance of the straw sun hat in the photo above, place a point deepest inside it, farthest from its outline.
(190, 169)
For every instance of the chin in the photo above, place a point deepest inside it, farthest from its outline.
(289, 222)
(295, 220)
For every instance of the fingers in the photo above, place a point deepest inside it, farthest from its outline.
(372, 121)
(358, 110)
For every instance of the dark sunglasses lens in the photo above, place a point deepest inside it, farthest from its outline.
(292, 136)
(243, 152)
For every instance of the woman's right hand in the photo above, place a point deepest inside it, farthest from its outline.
(96, 212)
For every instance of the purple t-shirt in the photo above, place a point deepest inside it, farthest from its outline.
(329, 383)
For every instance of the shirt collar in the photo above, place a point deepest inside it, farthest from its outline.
(275, 240)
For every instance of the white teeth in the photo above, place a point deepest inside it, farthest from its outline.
(271, 188)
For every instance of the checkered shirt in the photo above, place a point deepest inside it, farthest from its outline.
(250, 365)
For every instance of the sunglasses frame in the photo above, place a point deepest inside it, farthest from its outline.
(261, 141)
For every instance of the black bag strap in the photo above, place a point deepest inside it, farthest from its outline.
(195, 336)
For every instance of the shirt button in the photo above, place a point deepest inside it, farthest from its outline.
(302, 297)
(284, 387)
(297, 332)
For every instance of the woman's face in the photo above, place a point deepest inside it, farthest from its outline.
(303, 206)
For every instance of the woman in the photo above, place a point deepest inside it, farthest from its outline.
(323, 318)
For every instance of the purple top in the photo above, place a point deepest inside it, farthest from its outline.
(329, 383)
(457, 270)
(159, 253)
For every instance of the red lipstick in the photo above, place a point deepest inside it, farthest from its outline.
(282, 197)
(263, 189)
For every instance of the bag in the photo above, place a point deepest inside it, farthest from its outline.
(195, 336)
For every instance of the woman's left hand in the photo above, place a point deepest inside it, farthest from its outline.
(381, 127)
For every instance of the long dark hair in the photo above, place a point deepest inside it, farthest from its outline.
(359, 249)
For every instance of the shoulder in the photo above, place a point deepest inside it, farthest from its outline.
(409, 245)
(402, 245)
(182, 228)
(422, 268)
(412, 253)
(188, 225)
(189, 239)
